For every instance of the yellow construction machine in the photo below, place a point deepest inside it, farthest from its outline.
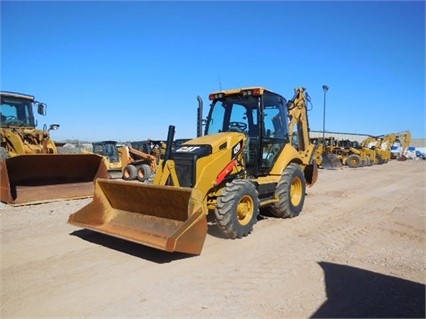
(385, 143)
(255, 153)
(126, 162)
(111, 151)
(131, 161)
(375, 149)
(325, 156)
(139, 165)
(355, 154)
(369, 149)
(31, 170)
(403, 140)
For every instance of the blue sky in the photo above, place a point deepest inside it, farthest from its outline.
(127, 70)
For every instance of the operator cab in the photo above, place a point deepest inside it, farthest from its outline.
(258, 113)
(108, 149)
(17, 110)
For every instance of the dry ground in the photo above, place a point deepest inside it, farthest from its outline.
(356, 250)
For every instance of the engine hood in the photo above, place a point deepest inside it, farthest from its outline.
(210, 144)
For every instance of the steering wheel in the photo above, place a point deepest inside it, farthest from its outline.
(12, 120)
(237, 126)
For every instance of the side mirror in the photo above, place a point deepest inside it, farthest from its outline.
(54, 127)
(41, 108)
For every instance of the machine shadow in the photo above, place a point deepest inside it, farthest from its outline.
(130, 248)
(357, 293)
(140, 250)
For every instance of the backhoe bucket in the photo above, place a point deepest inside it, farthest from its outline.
(402, 158)
(38, 178)
(163, 217)
(331, 161)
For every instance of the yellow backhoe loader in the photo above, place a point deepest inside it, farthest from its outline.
(255, 153)
(375, 149)
(31, 170)
(404, 140)
(385, 143)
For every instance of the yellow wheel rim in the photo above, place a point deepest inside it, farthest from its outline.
(245, 210)
(296, 191)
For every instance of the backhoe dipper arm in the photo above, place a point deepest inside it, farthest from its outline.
(297, 112)
(407, 141)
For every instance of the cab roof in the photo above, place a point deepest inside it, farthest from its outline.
(17, 95)
(239, 90)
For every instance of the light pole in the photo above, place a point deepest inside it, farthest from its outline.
(325, 89)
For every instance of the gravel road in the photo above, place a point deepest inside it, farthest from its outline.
(356, 250)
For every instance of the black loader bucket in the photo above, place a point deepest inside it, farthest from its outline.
(163, 217)
(38, 178)
(331, 161)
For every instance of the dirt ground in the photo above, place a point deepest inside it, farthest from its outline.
(356, 250)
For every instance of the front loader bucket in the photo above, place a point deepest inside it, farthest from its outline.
(163, 217)
(38, 178)
(331, 161)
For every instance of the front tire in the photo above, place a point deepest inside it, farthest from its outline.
(379, 159)
(354, 161)
(290, 191)
(144, 172)
(237, 209)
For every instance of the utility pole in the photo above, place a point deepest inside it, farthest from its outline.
(325, 89)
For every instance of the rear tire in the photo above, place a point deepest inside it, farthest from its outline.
(237, 209)
(144, 172)
(130, 172)
(368, 161)
(290, 191)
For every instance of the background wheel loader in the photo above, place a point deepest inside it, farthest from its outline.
(325, 156)
(355, 154)
(255, 154)
(31, 170)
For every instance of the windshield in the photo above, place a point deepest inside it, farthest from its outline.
(16, 112)
(234, 113)
(275, 116)
(262, 117)
(241, 114)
